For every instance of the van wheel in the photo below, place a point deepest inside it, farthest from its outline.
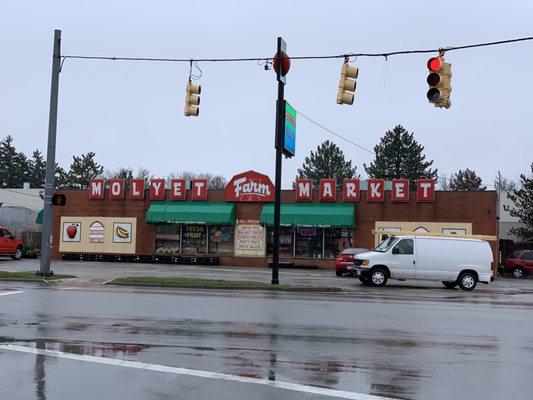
(467, 280)
(364, 280)
(18, 254)
(518, 272)
(378, 277)
(449, 284)
(338, 273)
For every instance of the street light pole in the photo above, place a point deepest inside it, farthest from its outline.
(50, 159)
(279, 144)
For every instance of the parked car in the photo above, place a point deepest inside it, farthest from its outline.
(454, 261)
(10, 245)
(345, 260)
(520, 263)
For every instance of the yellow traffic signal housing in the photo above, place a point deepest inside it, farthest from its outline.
(347, 84)
(192, 99)
(439, 81)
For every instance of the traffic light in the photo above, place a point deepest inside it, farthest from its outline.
(192, 99)
(59, 200)
(347, 84)
(439, 81)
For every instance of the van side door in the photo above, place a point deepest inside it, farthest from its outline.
(402, 259)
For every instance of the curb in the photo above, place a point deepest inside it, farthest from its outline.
(302, 289)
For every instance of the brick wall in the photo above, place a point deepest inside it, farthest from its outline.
(478, 208)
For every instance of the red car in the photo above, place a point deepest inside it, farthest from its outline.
(345, 260)
(10, 245)
(520, 263)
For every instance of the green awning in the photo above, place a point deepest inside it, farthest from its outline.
(326, 215)
(193, 212)
(39, 219)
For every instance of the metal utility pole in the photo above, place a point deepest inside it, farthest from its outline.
(280, 108)
(50, 159)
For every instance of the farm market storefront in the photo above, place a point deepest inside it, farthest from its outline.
(184, 222)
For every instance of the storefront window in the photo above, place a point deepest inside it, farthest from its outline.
(167, 239)
(336, 240)
(285, 241)
(193, 239)
(309, 242)
(221, 239)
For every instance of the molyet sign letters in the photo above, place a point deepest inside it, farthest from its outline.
(250, 186)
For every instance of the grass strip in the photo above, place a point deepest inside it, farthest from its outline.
(30, 276)
(192, 282)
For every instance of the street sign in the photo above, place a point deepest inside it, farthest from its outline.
(281, 73)
(289, 131)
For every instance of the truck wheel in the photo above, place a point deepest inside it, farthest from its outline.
(18, 254)
(449, 284)
(467, 280)
(338, 273)
(518, 272)
(378, 277)
(364, 280)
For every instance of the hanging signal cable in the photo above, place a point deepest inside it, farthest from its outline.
(385, 54)
(333, 133)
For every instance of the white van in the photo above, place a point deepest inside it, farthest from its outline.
(454, 261)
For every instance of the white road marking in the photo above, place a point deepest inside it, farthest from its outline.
(341, 394)
(8, 293)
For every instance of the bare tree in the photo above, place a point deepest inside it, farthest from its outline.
(213, 181)
(503, 184)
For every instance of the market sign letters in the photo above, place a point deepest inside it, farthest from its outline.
(251, 186)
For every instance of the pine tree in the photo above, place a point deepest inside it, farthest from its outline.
(466, 180)
(523, 206)
(327, 161)
(82, 170)
(61, 179)
(14, 166)
(398, 155)
(37, 170)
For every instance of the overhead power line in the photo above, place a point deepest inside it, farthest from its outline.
(333, 133)
(244, 59)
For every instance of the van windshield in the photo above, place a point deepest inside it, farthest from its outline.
(386, 244)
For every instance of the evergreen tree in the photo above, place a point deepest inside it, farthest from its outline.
(398, 155)
(327, 161)
(61, 179)
(82, 170)
(466, 180)
(523, 206)
(37, 170)
(13, 165)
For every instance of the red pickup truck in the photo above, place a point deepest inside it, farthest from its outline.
(520, 263)
(10, 245)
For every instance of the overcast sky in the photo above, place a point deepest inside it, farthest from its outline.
(131, 113)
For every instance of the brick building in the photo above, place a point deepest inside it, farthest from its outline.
(234, 225)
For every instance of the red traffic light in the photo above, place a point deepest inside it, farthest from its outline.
(435, 64)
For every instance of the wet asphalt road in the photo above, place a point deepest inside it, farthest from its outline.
(403, 341)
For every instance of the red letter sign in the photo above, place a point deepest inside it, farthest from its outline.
(425, 191)
(328, 190)
(96, 189)
(116, 189)
(400, 190)
(157, 189)
(177, 189)
(136, 189)
(199, 189)
(375, 191)
(350, 190)
(304, 190)
(250, 186)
